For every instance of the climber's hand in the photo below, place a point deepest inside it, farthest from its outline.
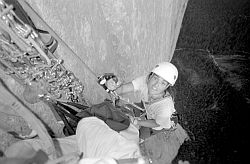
(113, 83)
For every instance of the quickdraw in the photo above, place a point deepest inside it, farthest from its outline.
(26, 58)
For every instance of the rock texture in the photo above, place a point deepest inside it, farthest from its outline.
(126, 37)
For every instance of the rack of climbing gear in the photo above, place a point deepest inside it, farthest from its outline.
(26, 57)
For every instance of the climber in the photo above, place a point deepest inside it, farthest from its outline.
(159, 129)
(155, 92)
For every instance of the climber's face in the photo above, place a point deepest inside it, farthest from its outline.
(157, 85)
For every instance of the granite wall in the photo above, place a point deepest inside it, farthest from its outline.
(126, 37)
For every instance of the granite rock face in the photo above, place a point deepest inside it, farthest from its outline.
(125, 37)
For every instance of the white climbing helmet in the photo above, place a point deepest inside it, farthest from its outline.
(167, 71)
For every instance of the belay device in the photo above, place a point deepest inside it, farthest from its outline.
(104, 78)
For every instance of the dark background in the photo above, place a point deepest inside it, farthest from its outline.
(212, 92)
